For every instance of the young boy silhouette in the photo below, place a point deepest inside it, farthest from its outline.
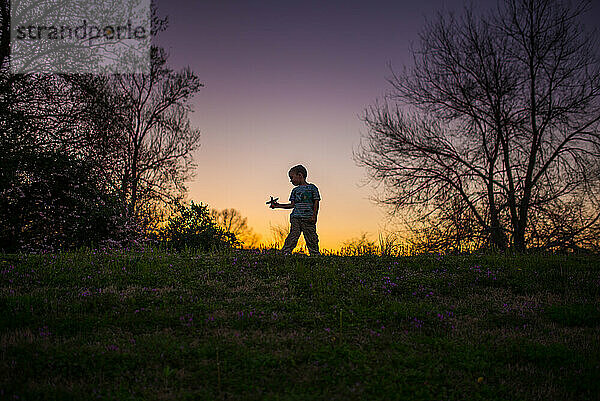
(304, 199)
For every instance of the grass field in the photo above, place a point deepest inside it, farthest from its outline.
(152, 325)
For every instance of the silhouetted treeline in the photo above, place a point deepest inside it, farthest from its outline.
(492, 138)
(91, 159)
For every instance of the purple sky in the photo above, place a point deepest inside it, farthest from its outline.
(286, 83)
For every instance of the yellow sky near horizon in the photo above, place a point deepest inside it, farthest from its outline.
(243, 171)
(286, 83)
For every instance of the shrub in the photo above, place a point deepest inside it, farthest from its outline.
(52, 201)
(193, 227)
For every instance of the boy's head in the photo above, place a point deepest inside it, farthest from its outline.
(298, 174)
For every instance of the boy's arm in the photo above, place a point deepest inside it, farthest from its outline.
(315, 211)
(283, 205)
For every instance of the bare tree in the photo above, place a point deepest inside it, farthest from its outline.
(158, 141)
(232, 221)
(142, 125)
(501, 113)
(134, 126)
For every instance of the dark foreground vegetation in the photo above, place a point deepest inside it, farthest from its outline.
(151, 325)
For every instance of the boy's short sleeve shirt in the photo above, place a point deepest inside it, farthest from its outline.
(304, 197)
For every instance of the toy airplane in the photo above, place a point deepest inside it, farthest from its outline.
(272, 202)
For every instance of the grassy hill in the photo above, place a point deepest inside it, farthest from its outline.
(152, 325)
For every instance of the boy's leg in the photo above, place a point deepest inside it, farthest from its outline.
(292, 239)
(310, 236)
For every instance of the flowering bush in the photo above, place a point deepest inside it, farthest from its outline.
(193, 227)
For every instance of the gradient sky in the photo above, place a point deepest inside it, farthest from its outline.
(286, 83)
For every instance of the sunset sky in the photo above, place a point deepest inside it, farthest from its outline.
(286, 83)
